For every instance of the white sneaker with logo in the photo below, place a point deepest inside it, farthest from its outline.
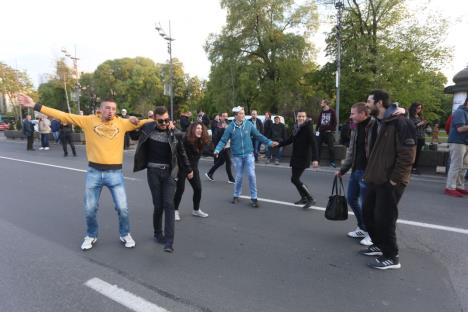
(366, 241)
(176, 215)
(128, 241)
(199, 213)
(46, 148)
(357, 233)
(88, 243)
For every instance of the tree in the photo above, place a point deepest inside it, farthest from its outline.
(384, 46)
(261, 55)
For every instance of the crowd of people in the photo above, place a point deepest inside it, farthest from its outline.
(384, 148)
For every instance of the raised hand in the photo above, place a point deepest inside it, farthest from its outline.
(25, 101)
(190, 175)
(274, 144)
(171, 125)
(133, 120)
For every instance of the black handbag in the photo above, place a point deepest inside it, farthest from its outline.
(337, 207)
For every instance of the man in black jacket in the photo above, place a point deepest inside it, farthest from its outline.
(28, 131)
(160, 151)
(326, 126)
(259, 126)
(278, 134)
(304, 151)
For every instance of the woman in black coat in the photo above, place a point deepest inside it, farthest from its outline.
(304, 151)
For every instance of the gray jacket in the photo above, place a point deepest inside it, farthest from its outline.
(350, 158)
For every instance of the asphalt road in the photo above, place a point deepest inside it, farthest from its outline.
(275, 258)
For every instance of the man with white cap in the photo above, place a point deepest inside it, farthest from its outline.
(240, 133)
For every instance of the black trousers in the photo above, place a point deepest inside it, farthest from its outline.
(67, 139)
(29, 143)
(223, 157)
(329, 139)
(420, 143)
(162, 187)
(380, 213)
(296, 180)
(195, 182)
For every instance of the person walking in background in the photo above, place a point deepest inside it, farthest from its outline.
(361, 141)
(66, 138)
(184, 120)
(326, 126)
(104, 134)
(240, 132)
(195, 139)
(28, 131)
(224, 156)
(203, 117)
(257, 124)
(416, 116)
(278, 134)
(214, 123)
(44, 130)
(124, 115)
(458, 144)
(55, 128)
(304, 152)
(267, 133)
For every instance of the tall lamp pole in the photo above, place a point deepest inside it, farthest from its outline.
(169, 40)
(76, 74)
(339, 5)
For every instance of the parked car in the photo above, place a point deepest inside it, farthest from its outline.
(4, 125)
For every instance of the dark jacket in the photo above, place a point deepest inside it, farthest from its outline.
(350, 158)
(326, 121)
(184, 123)
(179, 156)
(394, 151)
(28, 128)
(305, 147)
(258, 124)
(278, 132)
(65, 130)
(193, 156)
(267, 128)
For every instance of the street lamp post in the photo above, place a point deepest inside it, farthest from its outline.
(339, 5)
(169, 40)
(77, 77)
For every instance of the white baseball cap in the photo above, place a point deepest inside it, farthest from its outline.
(237, 109)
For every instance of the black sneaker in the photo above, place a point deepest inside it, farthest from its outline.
(372, 250)
(168, 248)
(301, 201)
(254, 203)
(235, 200)
(383, 263)
(310, 202)
(209, 177)
(159, 238)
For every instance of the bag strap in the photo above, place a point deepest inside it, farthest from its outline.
(335, 186)
(342, 187)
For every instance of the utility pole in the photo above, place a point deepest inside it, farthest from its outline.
(339, 14)
(169, 40)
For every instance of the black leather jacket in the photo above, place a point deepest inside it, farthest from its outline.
(179, 156)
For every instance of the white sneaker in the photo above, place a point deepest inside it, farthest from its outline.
(366, 241)
(128, 241)
(176, 215)
(88, 243)
(357, 233)
(46, 148)
(199, 213)
(41, 148)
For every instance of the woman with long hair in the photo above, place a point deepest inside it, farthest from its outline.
(415, 115)
(195, 139)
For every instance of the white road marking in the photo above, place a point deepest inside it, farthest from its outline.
(125, 298)
(401, 221)
(54, 166)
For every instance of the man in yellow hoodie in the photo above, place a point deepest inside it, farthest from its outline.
(104, 134)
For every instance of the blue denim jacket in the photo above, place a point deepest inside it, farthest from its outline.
(241, 138)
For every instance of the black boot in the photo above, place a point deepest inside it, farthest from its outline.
(310, 199)
(301, 201)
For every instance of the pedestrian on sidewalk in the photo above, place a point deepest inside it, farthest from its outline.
(240, 132)
(44, 130)
(195, 139)
(416, 116)
(55, 127)
(278, 134)
(304, 151)
(104, 134)
(66, 138)
(28, 131)
(326, 126)
(224, 156)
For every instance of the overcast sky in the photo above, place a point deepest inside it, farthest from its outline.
(34, 32)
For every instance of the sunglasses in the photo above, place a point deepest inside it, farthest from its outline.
(163, 121)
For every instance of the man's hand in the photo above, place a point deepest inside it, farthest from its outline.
(274, 144)
(190, 175)
(171, 125)
(392, 183)
(399, 111)
(133, 120)
(315, 164)
(25, 101)
(215, 155)
(338, 174)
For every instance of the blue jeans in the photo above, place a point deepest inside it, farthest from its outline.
(256, 145)
(239, 164)
(357, 191)
(277, 152)
(95, 180)
(44, 140)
